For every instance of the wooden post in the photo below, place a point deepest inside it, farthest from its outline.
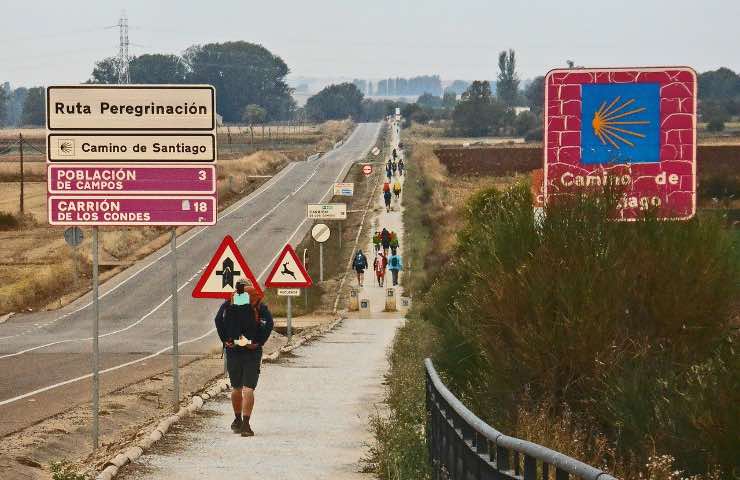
(20, 143)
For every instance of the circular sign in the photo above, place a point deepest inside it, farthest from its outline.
(375, 151)
(367, 170)
(73, 236)
(320, 232)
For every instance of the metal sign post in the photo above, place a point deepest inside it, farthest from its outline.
(290, 318)
(321, 262)
(175, 332)
(95, 347)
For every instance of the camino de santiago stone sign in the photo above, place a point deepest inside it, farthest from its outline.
(131, 155)
(631, 128)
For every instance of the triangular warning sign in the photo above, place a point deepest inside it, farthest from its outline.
(288, 271)
(225, 268)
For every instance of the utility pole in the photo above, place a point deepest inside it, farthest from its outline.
(123, 59)
(20, 144)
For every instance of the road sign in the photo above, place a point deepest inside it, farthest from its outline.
(289, 292)
(288, 271)
(327, 211)
(122, 147)
(73, 236)
(630, 128)
(344, 189)
(320, 232)
(367, 170)
(375, 151)
(84, 164)
(225, 268)
(141, 179)
(131, 210)
(131, 107)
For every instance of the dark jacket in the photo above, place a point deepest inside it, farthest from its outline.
(360, 262)
(233, 321)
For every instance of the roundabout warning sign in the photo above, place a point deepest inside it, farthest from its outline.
(633, 129)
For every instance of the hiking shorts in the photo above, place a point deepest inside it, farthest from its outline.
(243, 366)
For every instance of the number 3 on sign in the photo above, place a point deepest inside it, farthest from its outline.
(201, 175)
(200, 207)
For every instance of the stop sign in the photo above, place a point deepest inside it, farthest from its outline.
(367, 170)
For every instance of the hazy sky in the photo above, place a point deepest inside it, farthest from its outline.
(57, 41)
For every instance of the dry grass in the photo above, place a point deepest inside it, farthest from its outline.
(34, 199)
(32, 133)
(11, 171)
(19, 291)
(333, 131)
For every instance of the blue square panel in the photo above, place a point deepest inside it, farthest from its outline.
(620, 123)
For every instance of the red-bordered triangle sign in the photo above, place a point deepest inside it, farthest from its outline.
(288, 271)
(225, 268)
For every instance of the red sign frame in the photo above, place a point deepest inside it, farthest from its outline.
(227, 242)
(288, 250)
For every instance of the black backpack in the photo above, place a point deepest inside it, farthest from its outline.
(240, 320)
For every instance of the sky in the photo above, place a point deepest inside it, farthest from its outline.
(46, 42)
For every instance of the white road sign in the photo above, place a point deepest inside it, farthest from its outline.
(130, 107)
(344, 189)
(327, 211)
(289, 292)
(320, 232)
(118, 147)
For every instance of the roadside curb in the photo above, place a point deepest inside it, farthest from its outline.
(151, 436)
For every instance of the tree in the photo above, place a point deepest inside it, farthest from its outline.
(105, 71)
(335, 102)
(449, 100)
(253, 114)
(535, 94)
(720, 84)
(714, 113)
(147, 69)
(525, 122)
(4, 103)
(427, 100)
(33, 107)
(243, 73)
(478, 113)
(507, 86)
(158, 68)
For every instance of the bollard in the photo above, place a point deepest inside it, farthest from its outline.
(365, 305)
(353, 300)
(405, 302)
(390, 300)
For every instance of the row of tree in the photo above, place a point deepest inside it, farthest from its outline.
(243, 74)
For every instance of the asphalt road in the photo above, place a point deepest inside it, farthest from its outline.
(45, 357)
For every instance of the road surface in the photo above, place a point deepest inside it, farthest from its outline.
(45, 357)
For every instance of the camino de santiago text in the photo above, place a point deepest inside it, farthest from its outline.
(150, 109)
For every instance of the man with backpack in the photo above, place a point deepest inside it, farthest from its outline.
(385, 240)
(359, 264)
(244, 324)
(400, 167)
(397, 189)
(395, 265)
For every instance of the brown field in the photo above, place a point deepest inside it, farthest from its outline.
(41, 247)
(34, 199)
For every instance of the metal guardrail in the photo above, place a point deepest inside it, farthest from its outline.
(464, 447)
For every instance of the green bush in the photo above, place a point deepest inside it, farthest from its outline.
(626, 325)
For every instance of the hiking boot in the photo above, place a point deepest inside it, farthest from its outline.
(236, 425)
(247, 430)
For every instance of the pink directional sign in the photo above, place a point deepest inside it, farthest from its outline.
(132, 179)
(629, 128)
(132, 210)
